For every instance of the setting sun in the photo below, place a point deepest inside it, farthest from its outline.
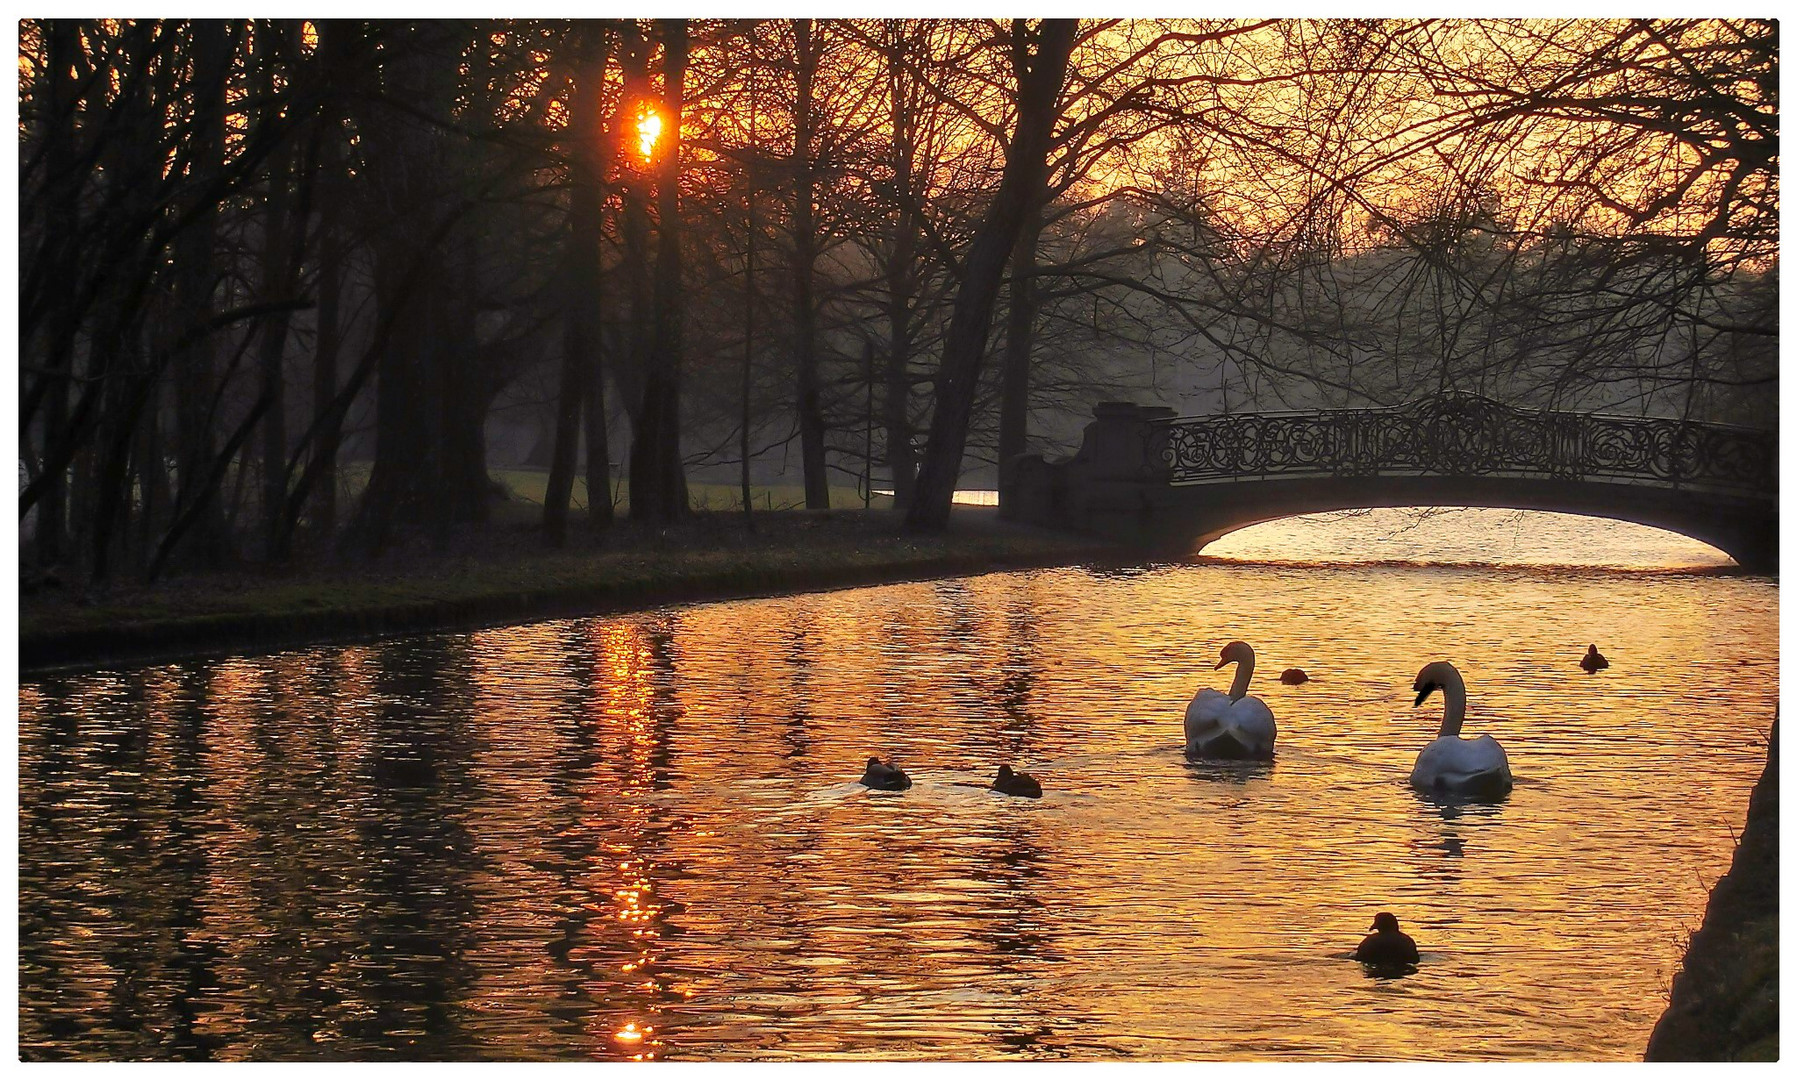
(648, 130)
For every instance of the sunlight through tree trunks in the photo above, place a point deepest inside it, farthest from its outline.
(633, 267)
(657, 474)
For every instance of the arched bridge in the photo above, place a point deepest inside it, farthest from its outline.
(1147, 477)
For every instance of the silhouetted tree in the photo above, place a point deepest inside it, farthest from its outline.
(1039, 64)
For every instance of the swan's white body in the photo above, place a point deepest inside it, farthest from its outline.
(1450, 765)
(1231, 725)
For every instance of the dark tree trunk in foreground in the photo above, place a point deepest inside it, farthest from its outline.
(117, 353)
(329, 336)
(283, 245)
(632, 268)
(430, 397)
(1040, 73)
(747, 386)
(804, 270)
(901, 292)
(193, 255)
(592, 163)
(569, 398)
(59, 194)
(598, 463)
(657, 475)
(582, 384)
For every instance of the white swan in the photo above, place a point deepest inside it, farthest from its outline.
(1472, 768)
(1231, 725)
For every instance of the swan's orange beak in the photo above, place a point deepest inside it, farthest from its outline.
(1422, 692)
(1220, 663)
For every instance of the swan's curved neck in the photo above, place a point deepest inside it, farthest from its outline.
(1453, 695)
(1244, 670)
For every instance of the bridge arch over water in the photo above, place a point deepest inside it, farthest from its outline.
(1149, 478)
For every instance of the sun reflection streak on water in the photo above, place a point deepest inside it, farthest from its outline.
(639, 837)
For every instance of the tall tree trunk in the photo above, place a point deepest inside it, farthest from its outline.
(58, 195)
(465, 390)
(570, 397)
(591, 163)
(337, 42)
(194, 261)
(580, 294)
(657, 449)
(279, 253)
(152, 474)
(399, 452)
(901, 291)
(901, 459)
(325, 348)
(631, 376)
(430, 402)
(1040, 73)
(634, 268)
(117, 369)
(108, 497)
(804, 270)
(748, 369)
(294, 171)
(598, 463)
(1020, 334)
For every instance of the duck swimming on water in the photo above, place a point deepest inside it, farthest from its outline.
(884, 777)
(1387, 946)
(1594, 661)
(1016, 783)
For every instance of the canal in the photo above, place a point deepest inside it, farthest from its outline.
(639, 836)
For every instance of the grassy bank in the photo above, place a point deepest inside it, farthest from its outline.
(1725, 997)
(502, 573)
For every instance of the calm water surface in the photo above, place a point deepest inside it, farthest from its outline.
(638, 836)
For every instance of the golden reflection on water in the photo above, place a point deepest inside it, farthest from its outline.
(638, 837)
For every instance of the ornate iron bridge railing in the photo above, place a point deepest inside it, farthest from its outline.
(1458, 434)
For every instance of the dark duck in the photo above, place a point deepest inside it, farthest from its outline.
(1387, 946)
(1016, 783)
(1594, 661)
(882, 776)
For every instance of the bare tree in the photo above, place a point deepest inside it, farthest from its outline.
(1039, 63)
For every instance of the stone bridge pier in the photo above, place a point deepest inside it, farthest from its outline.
(1168, 485)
